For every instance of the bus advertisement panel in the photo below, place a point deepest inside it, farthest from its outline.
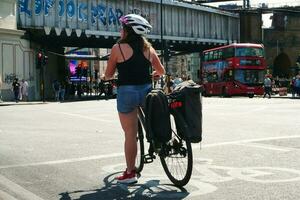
(235, 69)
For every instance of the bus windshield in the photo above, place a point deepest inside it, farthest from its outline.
(249, 76)
(249, 51)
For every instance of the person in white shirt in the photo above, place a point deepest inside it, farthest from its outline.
(24, 90)
(267, 86)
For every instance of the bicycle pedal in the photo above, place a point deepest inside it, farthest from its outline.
(149, 158)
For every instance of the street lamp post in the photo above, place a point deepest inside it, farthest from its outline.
(161, 31)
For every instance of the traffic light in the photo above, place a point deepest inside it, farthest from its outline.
(167, 51)
(42, 59)
(39, 59)
(45, 60)
(167, 55)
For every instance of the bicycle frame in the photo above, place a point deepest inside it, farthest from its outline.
(148, 158)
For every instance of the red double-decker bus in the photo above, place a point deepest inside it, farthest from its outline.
(235, 69)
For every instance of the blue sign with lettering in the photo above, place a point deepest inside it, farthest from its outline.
(106, 15)
(23, 5)
(85, 11)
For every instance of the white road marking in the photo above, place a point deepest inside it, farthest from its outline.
(97, 157)
(195, 146)
(266, 146)
(247, 141)
(17, 190)
(5, 196)
(154, 185)
(83, 116)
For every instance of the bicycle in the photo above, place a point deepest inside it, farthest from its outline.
(175, 155)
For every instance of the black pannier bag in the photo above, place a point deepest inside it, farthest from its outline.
(157, 117)
(189, 94)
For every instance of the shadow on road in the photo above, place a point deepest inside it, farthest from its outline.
(151, 189)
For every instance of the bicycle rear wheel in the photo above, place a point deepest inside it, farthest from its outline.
(176, 156)
(139, 161)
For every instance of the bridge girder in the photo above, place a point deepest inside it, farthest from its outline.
(90, 23)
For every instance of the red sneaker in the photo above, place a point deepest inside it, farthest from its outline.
(127, 178)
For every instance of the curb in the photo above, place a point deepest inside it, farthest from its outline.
(20, 103)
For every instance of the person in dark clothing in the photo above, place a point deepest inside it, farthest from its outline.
(16, 89)
(56, 88)
(133, 56)
(72, 91)
(79, 90)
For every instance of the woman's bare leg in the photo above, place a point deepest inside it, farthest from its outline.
(129, 123)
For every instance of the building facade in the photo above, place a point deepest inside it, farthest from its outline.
(282, 43)
(16, 56)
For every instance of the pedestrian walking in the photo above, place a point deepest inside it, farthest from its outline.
(297, 85)
(293, 86)
(267, 86)
(56, 87)
(24, 90)
(62, 92)
(16, 89)
(133, 57)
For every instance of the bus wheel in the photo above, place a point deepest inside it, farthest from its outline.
(250, 95)
(205, 94)
(224, 92)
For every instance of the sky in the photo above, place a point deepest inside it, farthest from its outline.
(257, 3)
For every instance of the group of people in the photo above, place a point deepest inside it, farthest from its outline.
(20, 90)
(171, 81)
(270, 84)
(59, 90)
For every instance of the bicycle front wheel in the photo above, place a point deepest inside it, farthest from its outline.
(176, 156)
(139, 161)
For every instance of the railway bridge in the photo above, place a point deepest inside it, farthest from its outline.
(94, 23)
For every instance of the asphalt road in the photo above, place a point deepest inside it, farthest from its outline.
(51, 151)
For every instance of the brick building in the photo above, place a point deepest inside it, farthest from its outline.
(282, 43)
(281, 40)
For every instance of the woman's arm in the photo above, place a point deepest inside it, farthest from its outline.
(155, 61)
(111, 63)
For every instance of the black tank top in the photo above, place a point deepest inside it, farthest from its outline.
(135, 70)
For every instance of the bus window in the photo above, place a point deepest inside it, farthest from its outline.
(250, 77)
(249, 51)
(221, 54)
(210, 55)
(228, 75)
(206, 56)
(228, 53)
(216, 54)
(212, 77)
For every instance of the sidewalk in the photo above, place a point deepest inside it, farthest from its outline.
(76, 99)
(288, 96)
(12, 103)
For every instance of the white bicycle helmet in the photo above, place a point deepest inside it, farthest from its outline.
(139, 24)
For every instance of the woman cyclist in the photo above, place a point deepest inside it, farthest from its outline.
(132, 56)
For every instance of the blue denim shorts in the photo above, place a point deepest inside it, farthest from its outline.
(130, 97)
